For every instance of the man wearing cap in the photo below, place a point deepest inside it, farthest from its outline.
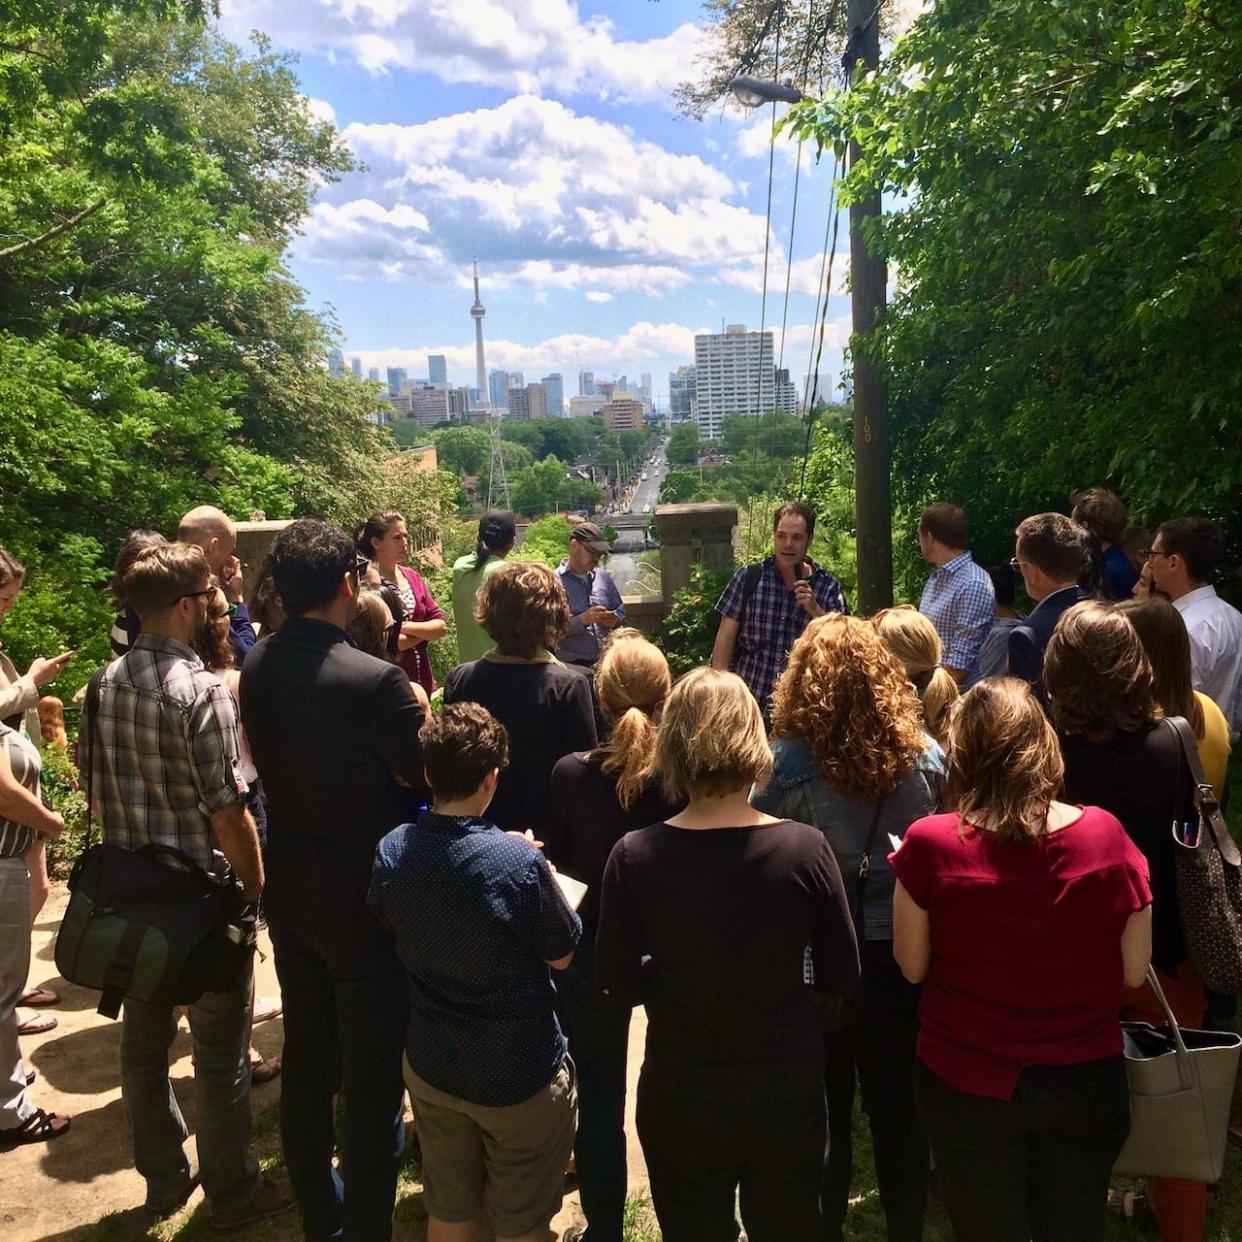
(595, 605)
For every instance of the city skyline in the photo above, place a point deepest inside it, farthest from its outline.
(609, 230)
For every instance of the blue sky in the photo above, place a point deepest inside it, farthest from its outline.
(542, 135)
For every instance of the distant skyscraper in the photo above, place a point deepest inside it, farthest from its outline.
(786, 392)
(476, 313)
(373, 374)
(536, 401)
(437, 369)
(397, 380)
(586, 383)
(336, 363)
(733, 374)
(645, 392)
(355, 365)
(498, 388)
(518, 400)
(517, 379)
(623, 414)
(681, 394)
(555, 386)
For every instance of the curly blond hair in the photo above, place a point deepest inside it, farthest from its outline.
(847, 697)
(912, 638)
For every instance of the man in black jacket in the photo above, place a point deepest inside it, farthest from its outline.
(1051, 553)
(334, 734)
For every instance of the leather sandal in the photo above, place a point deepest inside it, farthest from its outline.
(39, 1127)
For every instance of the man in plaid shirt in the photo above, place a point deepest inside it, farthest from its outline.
(765, 607)
(161, 752)
(959, 599)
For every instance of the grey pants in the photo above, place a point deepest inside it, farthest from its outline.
(15, 1105)
(220, 1025)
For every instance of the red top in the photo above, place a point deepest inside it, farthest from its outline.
(1025, 945)
(417, 660)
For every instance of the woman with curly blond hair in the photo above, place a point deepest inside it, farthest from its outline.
(913, 639)
(545, 705)
(853, 758)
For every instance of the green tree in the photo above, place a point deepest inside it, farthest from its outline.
(536, 489)
(462, 450)
(683, 444)
(546, 540)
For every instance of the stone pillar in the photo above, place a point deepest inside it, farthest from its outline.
(254, 542)
(692, 535)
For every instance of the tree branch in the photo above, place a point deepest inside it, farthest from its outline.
(55, 231)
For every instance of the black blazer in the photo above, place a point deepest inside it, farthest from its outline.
(1028, 640)
(331, 729)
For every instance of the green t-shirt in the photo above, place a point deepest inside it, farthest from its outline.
(472, 639)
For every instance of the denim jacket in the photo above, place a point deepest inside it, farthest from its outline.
(796, 790)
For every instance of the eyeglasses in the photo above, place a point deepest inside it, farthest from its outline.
(359, 567)
(1015, 564)
(1145, 554)
(196, 594)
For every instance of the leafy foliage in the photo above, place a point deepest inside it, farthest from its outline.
(689, 629)
(683, 444)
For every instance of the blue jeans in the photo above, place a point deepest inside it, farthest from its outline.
(220, 1025)
(598, 1042)
(345, 1034)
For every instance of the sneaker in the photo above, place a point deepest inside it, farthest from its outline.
(266, 1008)
(169, 1207)
(272, 1198)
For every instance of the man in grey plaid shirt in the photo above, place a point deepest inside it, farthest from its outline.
(161, 751)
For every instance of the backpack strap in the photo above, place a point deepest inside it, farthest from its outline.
(750, 584)
(1206, 801)
(121, 970)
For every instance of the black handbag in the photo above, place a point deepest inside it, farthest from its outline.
(1209, 880)
(150, 924)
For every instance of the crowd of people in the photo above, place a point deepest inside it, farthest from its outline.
(924, 857)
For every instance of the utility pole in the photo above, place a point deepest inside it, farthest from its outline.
(868, 279)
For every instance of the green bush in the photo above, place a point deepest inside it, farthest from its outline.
(62, 788)
(689, 630)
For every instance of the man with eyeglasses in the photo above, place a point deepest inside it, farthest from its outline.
(334, 736)
(1051, 553)
(1183, 557)
(183, 788)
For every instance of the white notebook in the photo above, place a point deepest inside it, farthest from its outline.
(572, 890)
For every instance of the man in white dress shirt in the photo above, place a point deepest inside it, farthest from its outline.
(1184, 555)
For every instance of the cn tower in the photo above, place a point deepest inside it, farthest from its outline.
(476, 313)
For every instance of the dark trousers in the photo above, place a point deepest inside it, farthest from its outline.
(598, 1042)
(877, 1049)
(700, 1153)
(1034, 1167)
(345, 1034)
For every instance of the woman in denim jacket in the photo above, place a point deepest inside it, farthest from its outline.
(853, 758)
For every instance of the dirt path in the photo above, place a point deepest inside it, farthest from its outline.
(59, 1191)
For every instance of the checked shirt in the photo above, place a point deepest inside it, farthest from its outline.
(162, 750)
(960, 602)
(772, 622)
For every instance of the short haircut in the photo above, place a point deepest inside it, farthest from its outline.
(711, 739)
(11, 569)
(1102, 512)
(1053, 543)
(523, 608)
(796, 508)
(1005, 765)
(461, 745)
(203, 523)
(946, 524)
(1003, 584)
(161, 574)
(1198, 541)
(136, 542)
(1097, 675)
(307, 562)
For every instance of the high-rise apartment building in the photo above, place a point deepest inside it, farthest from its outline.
(733, 374)
(519, 403)
(429, 405)
(586, 405)
(608, 388)
(644, 391)
(336, 363)
(498, 388)
(623, 413)
(517, 379)
(373, 374)
(355, 365)
(437, 369)
(681, 394)
(555, 386)
(786, 392)
(397, 380)
(536, 401)
(586, 383)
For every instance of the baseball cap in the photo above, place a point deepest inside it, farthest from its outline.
(591, 535)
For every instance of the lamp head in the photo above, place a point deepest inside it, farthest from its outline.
(754, 92)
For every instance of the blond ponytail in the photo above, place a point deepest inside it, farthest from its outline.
(913, 639)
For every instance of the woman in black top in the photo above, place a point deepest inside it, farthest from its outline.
(728, 925)
(545, 706)
(597, 797)
(1120, 756)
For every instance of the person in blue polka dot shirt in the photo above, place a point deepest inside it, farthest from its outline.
(479, 923)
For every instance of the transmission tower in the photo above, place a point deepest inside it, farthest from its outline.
(497, 481)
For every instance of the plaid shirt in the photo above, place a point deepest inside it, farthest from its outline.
(772, 623)
(162, 751)
(960, 602)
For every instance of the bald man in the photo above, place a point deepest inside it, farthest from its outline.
(214, 532)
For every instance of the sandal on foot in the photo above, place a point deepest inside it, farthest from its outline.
(39, 998)
(39, 1127)
(36, 1024)
(31, 1076)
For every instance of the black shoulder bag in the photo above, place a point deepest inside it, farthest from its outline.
(149, 924)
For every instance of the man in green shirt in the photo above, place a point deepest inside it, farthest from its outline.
(497, 533)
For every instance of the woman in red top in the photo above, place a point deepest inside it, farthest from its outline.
(1023, 917)
(384, 540)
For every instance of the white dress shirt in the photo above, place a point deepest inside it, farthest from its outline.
(1215, 630)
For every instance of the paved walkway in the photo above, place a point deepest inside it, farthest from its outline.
(56, 1192)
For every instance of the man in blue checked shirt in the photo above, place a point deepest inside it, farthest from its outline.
(765, 607)
(595, 605)
(959, 599)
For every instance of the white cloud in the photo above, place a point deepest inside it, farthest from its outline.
(531, 46)
(321, 110)
(805, 276)
(550, 197)
(598, 295)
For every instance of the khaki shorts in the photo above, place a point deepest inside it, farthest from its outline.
(507, 1162)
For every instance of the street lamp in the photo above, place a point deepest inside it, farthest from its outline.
(755, 92)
